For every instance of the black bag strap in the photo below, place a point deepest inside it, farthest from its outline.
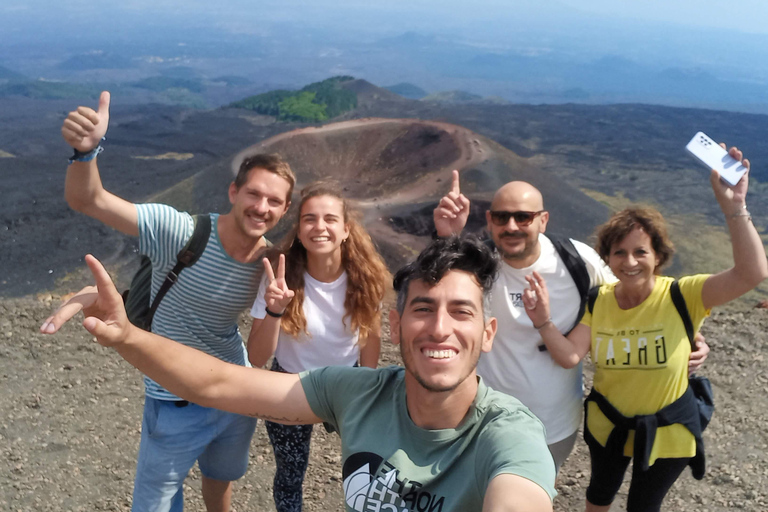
(576, 267)
(677, 299)
(187, 257)
(682, 310)
(592, 297)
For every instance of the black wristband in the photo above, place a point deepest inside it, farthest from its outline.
(272, 313)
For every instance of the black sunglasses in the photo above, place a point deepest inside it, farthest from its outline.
(501, 217)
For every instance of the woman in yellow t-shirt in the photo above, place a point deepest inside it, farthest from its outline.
(640, 347)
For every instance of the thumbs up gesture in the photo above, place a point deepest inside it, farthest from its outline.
(84, 128)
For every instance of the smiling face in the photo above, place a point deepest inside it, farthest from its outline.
(259, 203)
(517, 243)
(633, 260)
(441, 332)
(322, 228)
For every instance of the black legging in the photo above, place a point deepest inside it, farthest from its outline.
(647, 489)
(290, 444)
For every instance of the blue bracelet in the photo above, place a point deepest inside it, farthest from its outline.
(80, 156)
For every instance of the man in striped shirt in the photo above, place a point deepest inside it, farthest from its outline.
(200, 310)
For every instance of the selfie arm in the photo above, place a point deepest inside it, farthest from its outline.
(192, 374)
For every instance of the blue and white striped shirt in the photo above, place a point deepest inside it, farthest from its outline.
(202, 308)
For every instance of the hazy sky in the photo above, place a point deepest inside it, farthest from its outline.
(429, 42)
(724, 17)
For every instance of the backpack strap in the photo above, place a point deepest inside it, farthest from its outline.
(682, 310)
(592, 297)
(187, 257)
(576, 267)
(677, 300)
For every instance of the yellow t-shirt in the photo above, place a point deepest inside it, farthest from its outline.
(641, 360)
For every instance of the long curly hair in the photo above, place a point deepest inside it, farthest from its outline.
(368, 278)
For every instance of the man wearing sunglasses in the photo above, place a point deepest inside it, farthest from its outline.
(517, 365)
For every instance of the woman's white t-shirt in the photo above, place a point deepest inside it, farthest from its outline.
(330, 342)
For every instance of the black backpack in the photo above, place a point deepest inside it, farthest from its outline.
(578, 270)
(136, 298)
(576, 267)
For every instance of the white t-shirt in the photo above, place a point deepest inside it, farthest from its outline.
(330, 341)
(515, 364)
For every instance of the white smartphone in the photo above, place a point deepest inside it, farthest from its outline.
(712, 156)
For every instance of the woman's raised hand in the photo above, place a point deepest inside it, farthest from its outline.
(277, 296)
(731, 199)
(536, 300)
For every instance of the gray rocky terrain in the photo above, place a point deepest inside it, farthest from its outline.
(70, 410)
(70, 418)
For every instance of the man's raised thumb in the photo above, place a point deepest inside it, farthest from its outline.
(96, 327)
(104, 103)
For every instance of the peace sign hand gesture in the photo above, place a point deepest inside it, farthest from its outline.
(277, 295)
(536, 300)
(102, 305)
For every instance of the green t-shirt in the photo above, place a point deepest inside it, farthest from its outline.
(390, 464)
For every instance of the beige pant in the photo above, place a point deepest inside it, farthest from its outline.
(562, 449)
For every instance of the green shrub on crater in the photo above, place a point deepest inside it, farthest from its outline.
(318, 101)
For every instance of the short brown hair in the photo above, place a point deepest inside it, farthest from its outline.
(273, 163)
(625, 221)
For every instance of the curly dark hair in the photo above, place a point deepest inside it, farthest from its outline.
(624, 222)
(465, 252)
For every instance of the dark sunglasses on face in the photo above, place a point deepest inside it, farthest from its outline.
(501, 217)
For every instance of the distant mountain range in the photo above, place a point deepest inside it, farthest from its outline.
(586, 159)
(407, 90)
(96, 60)
(7, 74)
(43, 90)
(566, 63)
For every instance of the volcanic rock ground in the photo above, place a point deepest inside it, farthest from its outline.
(70, 418)
(70, 411)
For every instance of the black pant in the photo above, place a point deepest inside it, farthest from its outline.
(290, 444)
(647, 489)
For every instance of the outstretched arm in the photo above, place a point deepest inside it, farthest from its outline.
(566, 351)
(184, 371)
(83, 129)
(452, 211)
(512, 493)
(750, 266)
